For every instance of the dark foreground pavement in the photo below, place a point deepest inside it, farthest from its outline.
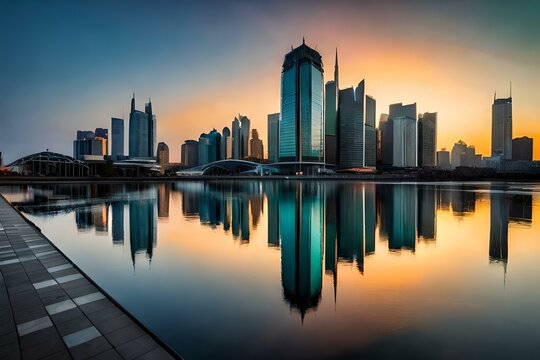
(50, 310)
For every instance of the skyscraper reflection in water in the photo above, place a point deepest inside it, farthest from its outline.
(143, 223)
(498, 227)
(350, 229)
(301, 229)
(426, 212)
(398, 215)
(164, 193)
(118, 222)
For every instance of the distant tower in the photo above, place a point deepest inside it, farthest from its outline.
(117, 141)
(403, 122)
(351, 127)
(142, 131)
(273, 137)
(427, 139)
(501, 128)
(226, 144)
(331, 117)
(256, 145)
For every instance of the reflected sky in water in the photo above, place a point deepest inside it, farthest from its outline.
(275, 269)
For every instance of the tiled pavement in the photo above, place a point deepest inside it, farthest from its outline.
(49, 310)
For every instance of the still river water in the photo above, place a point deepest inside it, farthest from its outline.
(290, 269)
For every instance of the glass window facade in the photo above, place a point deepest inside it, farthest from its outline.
(287, 126)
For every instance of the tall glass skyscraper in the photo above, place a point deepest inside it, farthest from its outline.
(142, 131)
(301, 128)
(370, 136)
(501, 128)
(331, 117)
(427, 139)
(351, 127)
(273, 137)
(403, 122)
(117, 143)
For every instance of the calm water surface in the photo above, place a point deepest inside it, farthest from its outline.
(310, 269)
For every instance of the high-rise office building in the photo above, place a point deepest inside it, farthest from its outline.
(256, 145)
(236, 139)
(351, 127)
(370, 137)
(427, 139)
(117, 141)
(163, 156)
(190, 153)
(226, 144)
(387, 138)
(209, 147)
(331, 117)
(273, 137)
(103, 134)
(245, 124)
(240, 137)
(443, 159)
(522, 148)
(403, 120)
(301, 132)
(501, 128)
(142, 131)
(459, 153)
(89, 144)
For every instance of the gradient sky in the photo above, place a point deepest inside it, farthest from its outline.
(68, 65)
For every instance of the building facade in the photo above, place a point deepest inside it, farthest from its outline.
(427, 139)
(88, 143)
(209, 149)
(331, 119)
(386, 140)
(226, 144)
(190, 153)
(522, 149)
(301, 126)
(459, 153)
(501, 128)
(256, 148)
(273, 137)
(370, 133)
(142, 131)
(443, 159)
(117, 138)
(403, 122)
(351, 127)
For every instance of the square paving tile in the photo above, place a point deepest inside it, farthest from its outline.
(34, 325)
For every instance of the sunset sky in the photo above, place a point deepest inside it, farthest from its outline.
(69, 65)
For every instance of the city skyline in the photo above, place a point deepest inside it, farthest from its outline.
(425, 71)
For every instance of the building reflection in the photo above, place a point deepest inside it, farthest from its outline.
(164, 194)
(463, 201)
(398, 217)
(95, 217)
(301, 229)
(143, 223)
(317, 226)
(521, 209)
(426, 212)
(118, 222)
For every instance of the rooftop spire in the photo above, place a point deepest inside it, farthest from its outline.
(336, 72)
(303, 40)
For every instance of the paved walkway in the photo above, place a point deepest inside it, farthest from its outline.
(49, 310)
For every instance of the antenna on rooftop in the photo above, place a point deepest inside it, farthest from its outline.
(510, 88)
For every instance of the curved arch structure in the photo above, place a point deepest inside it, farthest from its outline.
(48, 163)
(230, 167)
